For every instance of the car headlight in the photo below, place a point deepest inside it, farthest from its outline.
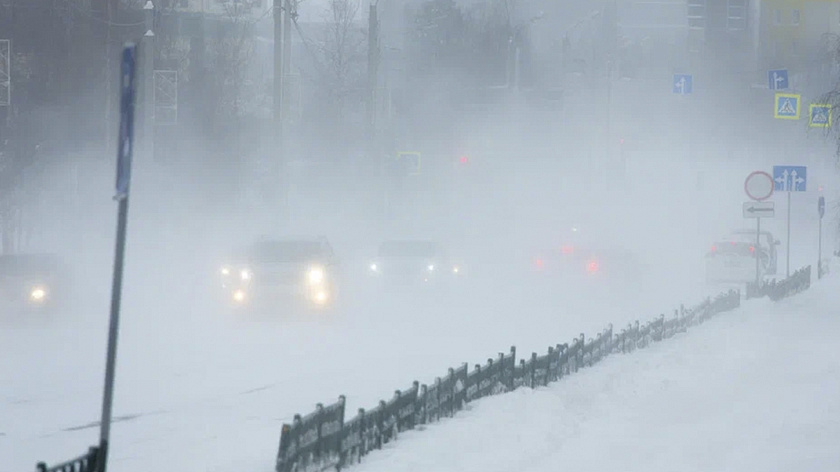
(225, 271)
(245, 275)
(374, 267)
(321, 297)
(239, 296)
(456, 270)
(38, 294)
(431, 267)
(316, 275)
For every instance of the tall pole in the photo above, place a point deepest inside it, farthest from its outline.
(125, 150)
(288, 11)
(758, 252)
(787, 255)
(373, 71)
(819, 252)
(149, 81)
(278, 70)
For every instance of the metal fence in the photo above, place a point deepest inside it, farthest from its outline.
(799, 281)
(92, 461)
(323, 439)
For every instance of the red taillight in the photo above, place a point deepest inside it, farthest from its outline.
(714, 248)
(464, 160)
(592, 267)
(539, 263)
(567, 249)
(752, 248)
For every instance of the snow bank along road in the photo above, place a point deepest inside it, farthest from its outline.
(756, 389)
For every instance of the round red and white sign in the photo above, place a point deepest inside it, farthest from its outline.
(759, 185)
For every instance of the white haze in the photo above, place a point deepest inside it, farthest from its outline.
(211, 389)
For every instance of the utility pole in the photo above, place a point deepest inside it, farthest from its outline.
(148, 81)
(278, 71)
(373, 73)
(288, 11)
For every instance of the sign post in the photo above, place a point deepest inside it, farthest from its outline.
(821, 211)
(125, 149)
(759, 187)
(789, 179)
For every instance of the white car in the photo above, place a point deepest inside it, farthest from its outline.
(733, 259)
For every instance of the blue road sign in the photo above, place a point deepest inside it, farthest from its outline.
(821, 206)
(683, 84)
(820, 115)
(778, 79)
(126, 138)
(787, 106)
(790, 178)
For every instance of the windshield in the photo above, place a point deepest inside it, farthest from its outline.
(285, 251)
(424, 249)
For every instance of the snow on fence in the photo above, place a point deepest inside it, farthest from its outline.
(323, 439)
(798, 282)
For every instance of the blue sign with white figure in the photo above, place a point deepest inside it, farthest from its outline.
(790, 178)
(683, 84)
(778, 79)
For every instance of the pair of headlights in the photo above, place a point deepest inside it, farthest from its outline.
(314, 276)
(430, 268)
(244, 274)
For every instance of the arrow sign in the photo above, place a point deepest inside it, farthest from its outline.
(778, 79)
(759, 209)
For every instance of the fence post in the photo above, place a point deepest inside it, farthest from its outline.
(533, 369)
(511, 376)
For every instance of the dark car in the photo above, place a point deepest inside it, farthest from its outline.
(414, 261)
(576, 253)
(32, 282)
(283, 271)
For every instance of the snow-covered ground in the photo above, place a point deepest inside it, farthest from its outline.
(754, 389)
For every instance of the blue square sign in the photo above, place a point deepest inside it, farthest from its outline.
(683, 84)
(778, 79)
(790, 178)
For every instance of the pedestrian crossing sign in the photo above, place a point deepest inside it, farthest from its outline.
(820, 115)
(787, 106)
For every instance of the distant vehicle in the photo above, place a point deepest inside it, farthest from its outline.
(414, 262)
(32, 282)
(575, 253)
(284, 271)
(732, 258)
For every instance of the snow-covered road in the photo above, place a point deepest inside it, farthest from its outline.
(200, 391)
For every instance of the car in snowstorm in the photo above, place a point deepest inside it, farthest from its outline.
(408, 262)
(33, 282)
(732, 259)
(576, 254)
(279, 273)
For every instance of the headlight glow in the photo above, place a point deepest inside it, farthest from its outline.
(239, 296)
(456, 269)
(374, 268)
(316, 275)
(245, 274)
(38, 294)
(321, 297)
(431, 267)
(225, 271)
